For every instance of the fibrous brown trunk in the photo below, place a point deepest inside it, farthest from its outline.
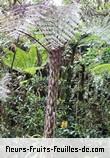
(54, 68)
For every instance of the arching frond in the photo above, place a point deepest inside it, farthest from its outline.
(57, 24)
(97, 23)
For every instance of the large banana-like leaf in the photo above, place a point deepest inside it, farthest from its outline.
(25, 61)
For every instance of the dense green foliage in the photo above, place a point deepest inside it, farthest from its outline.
(83, 105)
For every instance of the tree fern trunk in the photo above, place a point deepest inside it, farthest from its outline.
(55, 63)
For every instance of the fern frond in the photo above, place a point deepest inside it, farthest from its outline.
(97, 23)
(57, 24)
(4, 90)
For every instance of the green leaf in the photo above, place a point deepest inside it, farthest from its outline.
(31, 70)
(91, 39)
(44, 57)
(25, 61)
(101, 69)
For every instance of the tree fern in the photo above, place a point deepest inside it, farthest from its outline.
(57, 25)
